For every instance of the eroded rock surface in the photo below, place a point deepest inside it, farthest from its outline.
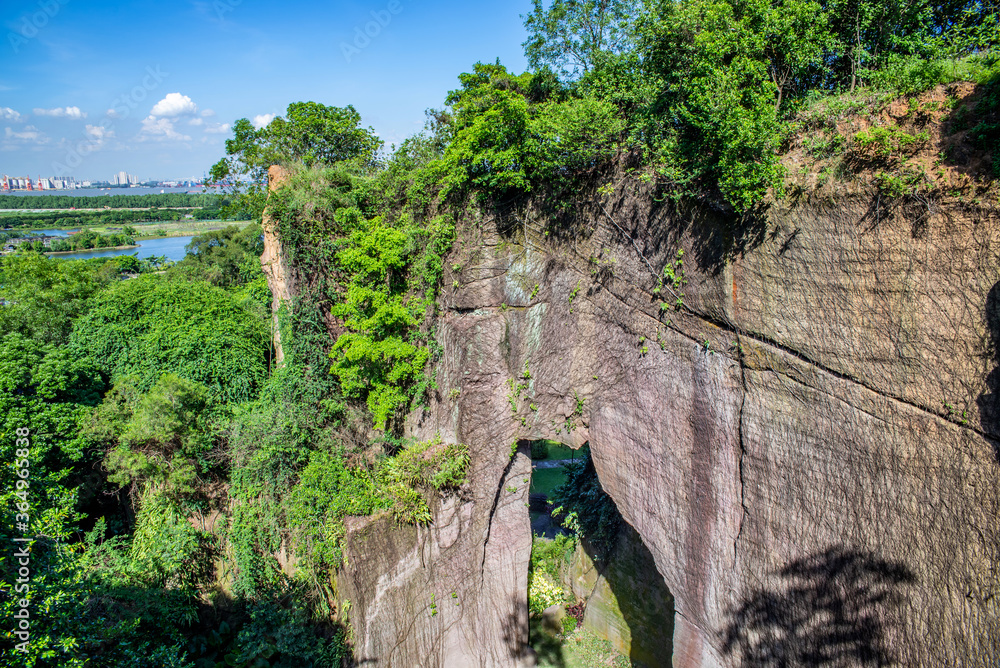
(805, 448)
(279, 278)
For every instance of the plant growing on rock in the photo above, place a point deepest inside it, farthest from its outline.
(543, 593)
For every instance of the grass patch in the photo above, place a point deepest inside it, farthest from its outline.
(583, 649)
(182, 228)
(578, 649)
(559, 451)
(548, 450)
(172, 228)
(543, 481)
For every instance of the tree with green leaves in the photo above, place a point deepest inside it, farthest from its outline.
(226, 257)
(379, 274)
(309, 133)
(42, 297)
(720, 123)
(157, 440)
(154, 324)
(795, 41)
(571, 36)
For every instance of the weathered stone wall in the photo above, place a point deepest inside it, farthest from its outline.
(279, 277)
(781, 444)
(808, 448)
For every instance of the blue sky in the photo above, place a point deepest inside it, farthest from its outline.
(89, 88)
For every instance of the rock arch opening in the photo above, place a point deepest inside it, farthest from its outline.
(594, 592)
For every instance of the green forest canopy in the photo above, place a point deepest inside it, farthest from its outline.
(131, 201)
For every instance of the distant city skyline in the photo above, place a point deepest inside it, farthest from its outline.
(183, 73)
(12, 183)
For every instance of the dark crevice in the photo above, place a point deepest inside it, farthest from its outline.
(739, 432)
(627, 590)
(468, 310)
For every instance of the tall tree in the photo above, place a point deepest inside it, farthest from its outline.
(571, 36)
(309, 133)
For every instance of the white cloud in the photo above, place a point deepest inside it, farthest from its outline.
(8, 114)
(260, 120)
(196, 122)
(174, 104)
(98, 132)
(160, 129)
(62, 112)
(218, 128)
(208, 113)
(29, 134)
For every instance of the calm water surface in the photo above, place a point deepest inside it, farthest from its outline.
(172, 247)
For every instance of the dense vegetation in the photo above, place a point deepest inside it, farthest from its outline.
(73, 219)
(705, 90)
(130, 201)
(152, 395)
(133, 386)
(90, 239)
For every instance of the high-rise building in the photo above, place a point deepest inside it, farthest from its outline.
(123, 179)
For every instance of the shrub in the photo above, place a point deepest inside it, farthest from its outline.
(44, 296)
(550, 556)
(328, 491)
(379, 274)
(199, 332)
(583, 497)
(985, 134)
(281, 637)
(574, 135)
(539, 450)
(163, 436)
(543, 593)
(886, 144)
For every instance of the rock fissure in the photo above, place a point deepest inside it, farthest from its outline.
(845, 377)
(759, 338)
(743, 450)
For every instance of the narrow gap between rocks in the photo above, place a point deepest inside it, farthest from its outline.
(594, 594)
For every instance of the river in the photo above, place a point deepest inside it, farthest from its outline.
(172, 247)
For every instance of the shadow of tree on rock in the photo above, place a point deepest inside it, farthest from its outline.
(989, 400)
(515, 632)
(836, 608)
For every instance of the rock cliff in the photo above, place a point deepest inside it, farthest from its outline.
(807, 447)
(279, 278)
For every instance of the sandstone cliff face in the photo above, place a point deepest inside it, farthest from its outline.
(806, 448)
(279, 278)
